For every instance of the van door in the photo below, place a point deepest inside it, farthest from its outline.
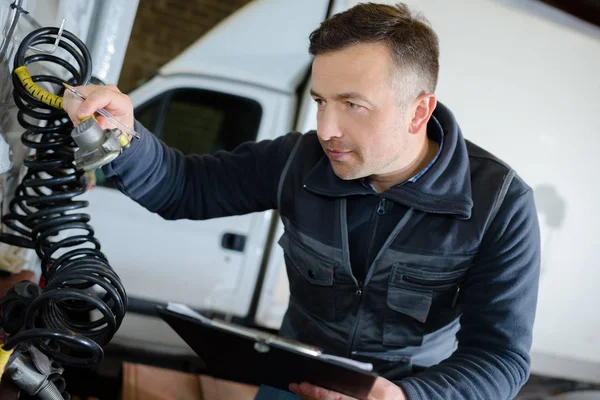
(209, 264)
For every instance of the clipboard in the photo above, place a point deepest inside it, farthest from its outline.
(237, 353)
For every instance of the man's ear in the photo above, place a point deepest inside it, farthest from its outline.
(423, 106)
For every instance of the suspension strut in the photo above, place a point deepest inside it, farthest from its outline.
(44, 215)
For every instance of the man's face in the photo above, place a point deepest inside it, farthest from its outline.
(361, 122)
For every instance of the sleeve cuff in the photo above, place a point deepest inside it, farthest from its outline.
(410, 392)
(135, 146)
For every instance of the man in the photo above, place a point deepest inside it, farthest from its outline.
(406, 245)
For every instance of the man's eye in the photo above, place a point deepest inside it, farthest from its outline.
(319, 102)
(352, 106)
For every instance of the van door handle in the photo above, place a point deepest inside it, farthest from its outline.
(232, 241)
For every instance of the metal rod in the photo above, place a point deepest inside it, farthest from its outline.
(32, 21)
(17, 11)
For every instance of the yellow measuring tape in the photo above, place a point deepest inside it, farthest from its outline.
(4, 356)
(42, 95)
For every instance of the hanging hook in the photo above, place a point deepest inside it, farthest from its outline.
(56, 42)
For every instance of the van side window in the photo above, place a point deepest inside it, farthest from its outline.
(198, 121)
(202, 121)
(147, 113)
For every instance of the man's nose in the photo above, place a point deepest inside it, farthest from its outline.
(328, 126)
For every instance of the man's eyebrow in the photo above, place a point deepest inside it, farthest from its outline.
(345, 96)
(315, 94)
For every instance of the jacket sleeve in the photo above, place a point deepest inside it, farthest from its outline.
(176, 186)
(498, 303)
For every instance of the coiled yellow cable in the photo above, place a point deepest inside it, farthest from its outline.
(42, 95)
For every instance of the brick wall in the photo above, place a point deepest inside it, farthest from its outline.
(164, 28)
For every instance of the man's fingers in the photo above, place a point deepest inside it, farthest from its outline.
(86, 90)
(105, 123)
(295, 388)
(382, 389)
(71, 105)
(314, 392)
(308, 391)
(113, 88)
(107, 97)
(101, 98)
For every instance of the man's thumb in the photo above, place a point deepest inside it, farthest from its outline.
(83, 112)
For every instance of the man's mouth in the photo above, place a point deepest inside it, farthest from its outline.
(335, 154)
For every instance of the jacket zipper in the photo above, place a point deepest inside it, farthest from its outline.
(380, 211)
(360, 292)
(381, 206)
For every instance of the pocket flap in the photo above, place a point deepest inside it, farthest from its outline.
(411, 303)
(314, 268)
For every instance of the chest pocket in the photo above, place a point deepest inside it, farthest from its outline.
(311, 278)
(418, 302)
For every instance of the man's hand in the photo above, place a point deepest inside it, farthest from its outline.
(108, 97)
(382, 390)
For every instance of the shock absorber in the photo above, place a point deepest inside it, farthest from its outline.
(76, 277)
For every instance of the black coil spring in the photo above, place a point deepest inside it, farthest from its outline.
(76, 276)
